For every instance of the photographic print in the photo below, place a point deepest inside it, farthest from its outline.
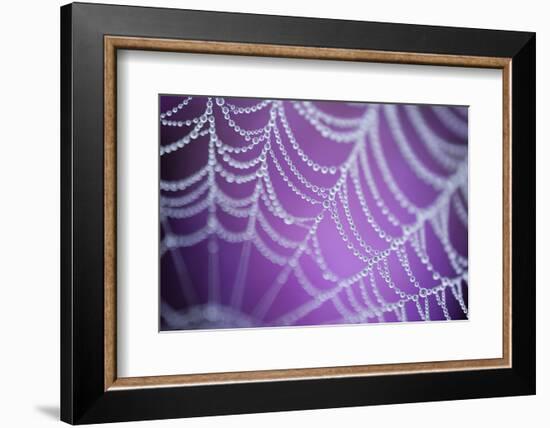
(284, 212)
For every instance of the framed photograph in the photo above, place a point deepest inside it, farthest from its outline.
(265, 213)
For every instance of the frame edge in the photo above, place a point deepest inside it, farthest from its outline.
(66, 306)
(523, 219)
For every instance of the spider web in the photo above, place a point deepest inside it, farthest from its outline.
(282, 212)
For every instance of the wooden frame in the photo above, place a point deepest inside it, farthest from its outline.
(85, 380)
(112, 43)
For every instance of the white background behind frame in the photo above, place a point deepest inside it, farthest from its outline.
(38, 406)
(143, 351)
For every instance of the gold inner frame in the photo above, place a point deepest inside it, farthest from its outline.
(113, 43)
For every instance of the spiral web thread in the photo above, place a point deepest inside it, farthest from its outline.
(391, 236)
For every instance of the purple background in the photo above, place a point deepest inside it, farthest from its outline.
(187, 303)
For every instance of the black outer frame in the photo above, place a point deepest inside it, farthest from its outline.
(83, 399)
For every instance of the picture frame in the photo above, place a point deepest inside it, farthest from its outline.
(91, 390)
